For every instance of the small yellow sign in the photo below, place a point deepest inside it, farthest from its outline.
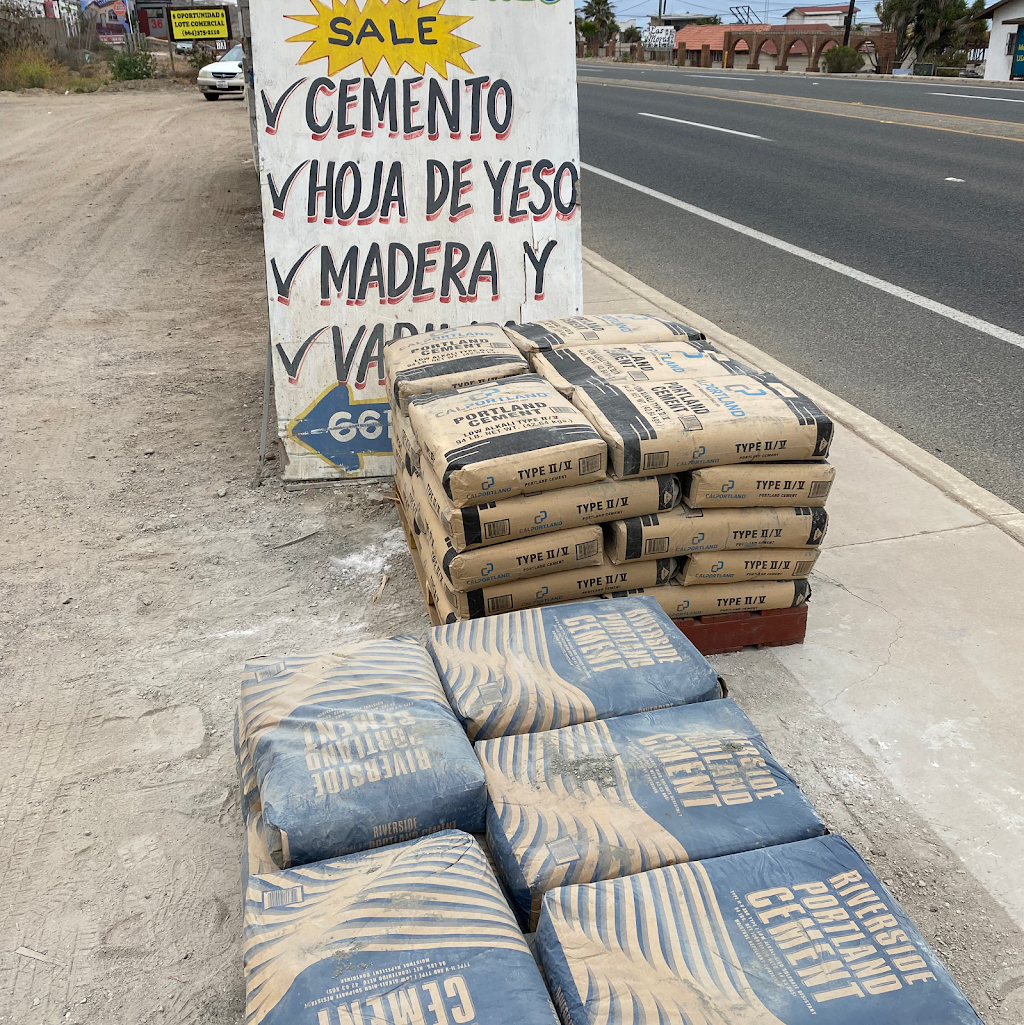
(199, 23)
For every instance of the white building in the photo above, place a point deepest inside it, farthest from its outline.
(831, 14)
(1005, 60)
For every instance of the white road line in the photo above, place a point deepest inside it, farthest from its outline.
(698, 124)
(970, 96)
(975, 323)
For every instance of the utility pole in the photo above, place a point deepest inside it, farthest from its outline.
(848, 25)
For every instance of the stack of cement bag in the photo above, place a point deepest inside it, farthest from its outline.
(515, 445)
(672, 869)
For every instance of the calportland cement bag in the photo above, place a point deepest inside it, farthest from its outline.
(624, 329)
(570, 549)
(493, 523)
(666, 426)
(683, 531)
(684, 602)
(456, 357)
(803, 934)
(509, 438)
(735, 567)
(571, 367)
(540, 669)
(412, 934)
(356, 748)
(780, 484)
(610, 798)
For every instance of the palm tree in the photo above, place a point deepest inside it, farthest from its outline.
(601, 14)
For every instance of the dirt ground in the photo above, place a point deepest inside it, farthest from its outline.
(142, 563)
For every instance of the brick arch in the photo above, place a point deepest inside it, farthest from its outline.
(790, 43)
(729, 57)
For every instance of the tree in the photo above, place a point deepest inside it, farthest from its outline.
(842, 60)
(601, 14)
(632, 34)
(708, 19)
(927, 26)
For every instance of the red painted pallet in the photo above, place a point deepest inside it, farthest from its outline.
(733, 631)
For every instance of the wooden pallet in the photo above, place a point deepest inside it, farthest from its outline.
(734, 631)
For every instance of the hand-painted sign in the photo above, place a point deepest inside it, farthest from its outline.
(659, 37)
(199, 23)
(419, 164)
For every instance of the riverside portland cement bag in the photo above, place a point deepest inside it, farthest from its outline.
(504, 439)
(540, 669)
(684, 602)
(735, 567)
(802, 934)
(256, 856)
(457, 357)
(781, 484)
(494, 523)
(683, 531)
(625, 329)
(411, 934)
(665, 426)
(356, 748)
(572, 367)
(610, 798)
(572, 549)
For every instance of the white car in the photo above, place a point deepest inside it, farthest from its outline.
(223, 78)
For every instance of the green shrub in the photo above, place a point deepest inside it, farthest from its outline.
(34, 74)
(842, 60)
(126, 67)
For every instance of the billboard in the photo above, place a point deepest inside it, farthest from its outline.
(419, 168)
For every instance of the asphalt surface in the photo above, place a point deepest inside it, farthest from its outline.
(937, 96)
(870, 195)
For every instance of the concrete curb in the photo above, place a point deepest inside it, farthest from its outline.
(926, 466)
(861, 76)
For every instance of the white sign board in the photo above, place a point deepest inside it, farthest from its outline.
(659, 37)
(419, 167)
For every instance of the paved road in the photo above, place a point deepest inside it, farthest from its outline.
(872, 196)
(938, 95)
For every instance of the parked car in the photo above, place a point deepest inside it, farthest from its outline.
(224, 77)
(182, 48)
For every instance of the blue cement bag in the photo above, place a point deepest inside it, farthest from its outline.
(355, 749)
(410, 934)
(256, 856)
(610, 798)
(540, 669)
(802, 934)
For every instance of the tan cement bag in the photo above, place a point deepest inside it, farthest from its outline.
(477, 526)
(562, 550)
(625, 329)
(682, 602)
(734, 567)
(683, 531)
(781, 484)
(405, 486)
(667, 426)
(547, 589)
(512, 437)
(457, 357)
(569, 368)
(403, 442)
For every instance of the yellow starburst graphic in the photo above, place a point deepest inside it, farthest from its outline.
(397, 32)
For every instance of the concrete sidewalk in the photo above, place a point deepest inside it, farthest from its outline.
(901, 712)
